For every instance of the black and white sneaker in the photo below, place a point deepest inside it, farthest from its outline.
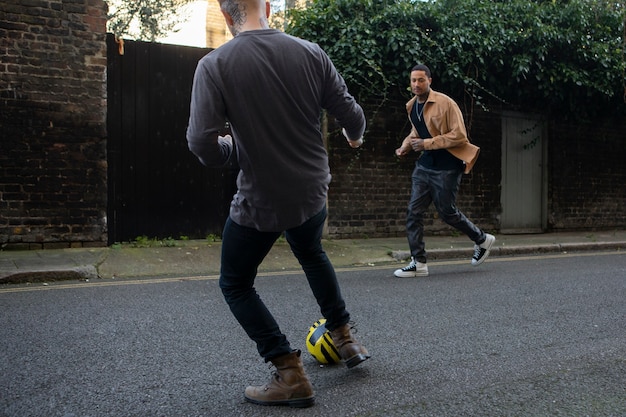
(481, 252)
(414, 269)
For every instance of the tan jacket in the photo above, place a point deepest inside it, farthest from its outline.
(444, 121)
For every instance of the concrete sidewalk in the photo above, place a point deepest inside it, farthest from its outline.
(201, 258)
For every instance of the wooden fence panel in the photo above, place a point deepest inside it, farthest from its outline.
(157, 188)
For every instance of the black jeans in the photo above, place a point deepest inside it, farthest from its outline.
(243, 250)
(440, 188)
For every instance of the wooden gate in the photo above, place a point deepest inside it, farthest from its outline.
(156, 186)
(524, 184)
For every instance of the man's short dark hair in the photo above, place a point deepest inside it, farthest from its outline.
(422, 67)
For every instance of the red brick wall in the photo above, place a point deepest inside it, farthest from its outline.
(53, 122)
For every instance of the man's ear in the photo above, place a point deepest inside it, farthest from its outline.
(267, 9)
(228, 18)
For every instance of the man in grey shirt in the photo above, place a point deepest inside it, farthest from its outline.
(271, 88)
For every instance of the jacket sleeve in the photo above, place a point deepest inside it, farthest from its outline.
(446, 126)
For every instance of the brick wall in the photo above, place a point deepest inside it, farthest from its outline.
(52, 123)
(370, 189)
(53, 162)
(587, 175)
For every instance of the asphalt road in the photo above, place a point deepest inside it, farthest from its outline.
(533, 336)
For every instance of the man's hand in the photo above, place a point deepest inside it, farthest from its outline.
(353, 143)
(403, 150)
(227, 138)
(410, 143)
(417, 144)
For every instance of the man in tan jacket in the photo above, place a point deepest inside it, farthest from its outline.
(438, 132)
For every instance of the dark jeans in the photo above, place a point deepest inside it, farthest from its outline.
(243, 250)
(440, 188)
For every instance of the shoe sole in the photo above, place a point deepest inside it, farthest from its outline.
(412, 275)
(486, 255)
(294, 403)
(356, 359)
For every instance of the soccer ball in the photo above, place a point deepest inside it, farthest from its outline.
(320, 345)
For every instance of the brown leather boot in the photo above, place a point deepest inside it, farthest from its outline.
(289, 384)
(351, 352)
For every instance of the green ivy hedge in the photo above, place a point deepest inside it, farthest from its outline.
(565, 57)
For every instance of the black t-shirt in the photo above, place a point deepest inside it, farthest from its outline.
(438, 159)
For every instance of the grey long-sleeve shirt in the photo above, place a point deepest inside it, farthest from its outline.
(271, 88)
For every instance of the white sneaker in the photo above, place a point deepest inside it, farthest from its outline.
(414, 269)
(481, 252)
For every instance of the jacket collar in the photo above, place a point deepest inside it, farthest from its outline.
(431, 98)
